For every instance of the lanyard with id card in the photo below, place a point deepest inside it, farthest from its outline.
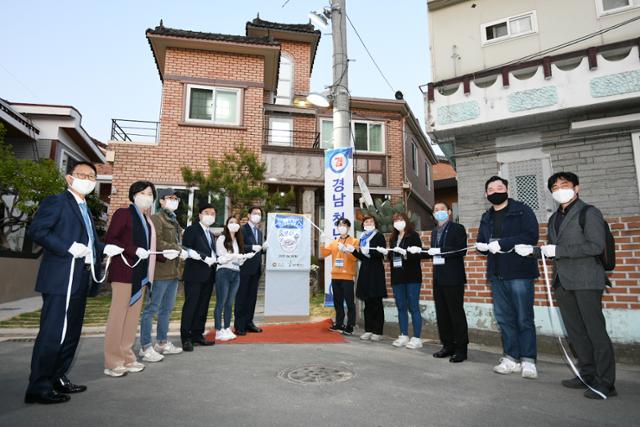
(397, 261)
(339, 263)
(438, 260)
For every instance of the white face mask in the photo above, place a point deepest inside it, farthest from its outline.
(369, 227)
(142, 201)
(342, 230)
(233, 227)
(255, 219)
(208, 220)
(171, 205)
(563, 195)
(399, 225)
(83, 186)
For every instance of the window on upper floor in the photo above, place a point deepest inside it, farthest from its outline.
(510, 27)
(284, 92)
(608, 7)
(367, 136)
(414, 158)
(213, 105)
(281, 131)
(427, 174)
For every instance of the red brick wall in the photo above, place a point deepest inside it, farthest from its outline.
(624, 294)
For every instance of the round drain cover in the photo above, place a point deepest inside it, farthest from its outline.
(316, 374)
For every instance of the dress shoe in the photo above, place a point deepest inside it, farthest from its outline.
(253, 328)
(458, 357)
(63, 385)
(240, 332)
(46, 398)
(203, 343)
(575, 382)
(607, 391)
(442, 353)
(187, 346)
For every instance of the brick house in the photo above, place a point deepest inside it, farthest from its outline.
(219, 90)
(502, 107)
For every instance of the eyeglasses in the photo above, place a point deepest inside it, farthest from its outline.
(90, 177)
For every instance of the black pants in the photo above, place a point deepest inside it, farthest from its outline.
(373, 315)
(246, 300)
(452, 320)
(50, 359)
(581, 313)
(194, 311)
(343, 291)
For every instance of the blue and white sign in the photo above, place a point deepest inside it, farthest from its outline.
(289, 237)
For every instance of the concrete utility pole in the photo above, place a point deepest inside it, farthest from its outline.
(341, 115)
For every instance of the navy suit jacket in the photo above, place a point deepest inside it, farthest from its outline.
(57, 224)
(253, 265)
(194, 238)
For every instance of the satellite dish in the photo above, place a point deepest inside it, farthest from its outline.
(365, 192)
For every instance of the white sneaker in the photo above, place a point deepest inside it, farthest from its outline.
(366, 336)
(414, 343)
(375, 337)
(134, 367)
(401, 341)
(529, 370)
(221, 335)
(150, 355)
(230, 334)
(118, 371)
(507, 366)
(167, 348)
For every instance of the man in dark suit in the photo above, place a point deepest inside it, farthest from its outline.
(199, 277)
(64, 228)
(250, 273)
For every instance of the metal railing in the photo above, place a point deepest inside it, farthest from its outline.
(134, 130)
(291, 138)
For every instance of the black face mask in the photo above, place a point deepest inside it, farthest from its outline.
(497, 198)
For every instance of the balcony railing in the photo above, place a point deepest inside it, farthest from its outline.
(288, 138)
(134, 130)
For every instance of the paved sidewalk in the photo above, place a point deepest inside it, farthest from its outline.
(238, 385)
(14, 308)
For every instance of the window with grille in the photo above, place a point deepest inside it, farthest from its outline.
(527, 188)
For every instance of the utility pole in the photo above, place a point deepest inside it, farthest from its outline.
(341, 115)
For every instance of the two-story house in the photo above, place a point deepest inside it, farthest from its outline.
(219, 90)
(527, 88)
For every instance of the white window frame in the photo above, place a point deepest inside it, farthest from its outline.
(633, 4)
(290, 136)
(286, 99)
(415, 158)
(507, 20)
(353, 133)
(427, 173)
(187, 107)
(635, 142)
(71, 157)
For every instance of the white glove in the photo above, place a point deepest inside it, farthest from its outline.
(414, 249)
(349, 248)
(256, 248)
(194, 255)
(265, 246)
(433, 251)
(170, 254)
(78, 250)
(524, 250)
(184, 254)
(383, 251)
(112, 250)
(400, 251)
(341, 247)
(494, 247)
(142, 253)
(364, 250)
(549, 251)
(209, 261)
(482, 247)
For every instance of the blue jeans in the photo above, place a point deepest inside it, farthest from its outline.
(513, 310)
(161, 302)
(227, 284)
(407, 297)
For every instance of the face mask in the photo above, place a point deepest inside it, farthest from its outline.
(342, 230)
(143, 201)
(497, 198)
(563, 195)
(83, 186)
(256, 219)
(369, 227)
(208, 220)
(441, 216)
(233, 227)
(399, 225)
(171, 205)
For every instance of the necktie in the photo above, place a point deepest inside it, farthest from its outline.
(87, 223)
(255, 234)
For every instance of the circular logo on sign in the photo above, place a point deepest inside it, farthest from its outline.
(338, 162)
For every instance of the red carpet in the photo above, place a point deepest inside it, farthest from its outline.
(299, 333)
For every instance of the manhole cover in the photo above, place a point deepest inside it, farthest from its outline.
(316, 374)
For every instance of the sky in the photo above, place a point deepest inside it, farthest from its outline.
(94, 55)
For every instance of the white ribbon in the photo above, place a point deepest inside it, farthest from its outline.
(66, 305)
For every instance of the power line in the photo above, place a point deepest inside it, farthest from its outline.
(19, 82)
(369, 53)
